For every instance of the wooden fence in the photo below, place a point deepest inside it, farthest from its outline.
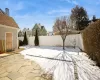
(2, 46)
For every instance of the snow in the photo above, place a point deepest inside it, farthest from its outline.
(77, 63)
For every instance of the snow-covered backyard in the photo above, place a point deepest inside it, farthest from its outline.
(70, 65)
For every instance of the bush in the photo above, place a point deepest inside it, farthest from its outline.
(25, 41)
(36, 41)
(20, 43)
(91, 40)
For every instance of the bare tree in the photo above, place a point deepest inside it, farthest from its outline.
(63, 28)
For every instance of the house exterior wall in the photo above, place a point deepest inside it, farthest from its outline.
(14, 31)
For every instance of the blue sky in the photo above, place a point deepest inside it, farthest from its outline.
(28, 12)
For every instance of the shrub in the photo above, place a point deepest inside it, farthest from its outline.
(20, 43)
(36, 41)
(91, 40)
(25, 41)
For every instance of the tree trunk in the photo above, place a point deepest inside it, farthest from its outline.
(63, 44)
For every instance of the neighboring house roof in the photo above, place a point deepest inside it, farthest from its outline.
(41, 29)
(36, 26)
(7, 20)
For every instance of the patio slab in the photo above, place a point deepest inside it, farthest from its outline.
(15, 67)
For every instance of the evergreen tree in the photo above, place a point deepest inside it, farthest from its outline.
(94, 18)
(36, 41)
(79, 18)
(25, 41)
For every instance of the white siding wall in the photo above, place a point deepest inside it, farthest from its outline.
(4, 29)
(57, 40)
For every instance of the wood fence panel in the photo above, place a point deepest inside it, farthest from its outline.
(2, 46)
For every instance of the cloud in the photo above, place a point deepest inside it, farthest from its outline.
(25, 20)
(28, 20)
(58, 11)
(13, 6)
(75, 2)
(27, 13)
(71, 2)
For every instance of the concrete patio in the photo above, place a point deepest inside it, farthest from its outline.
(15, 67)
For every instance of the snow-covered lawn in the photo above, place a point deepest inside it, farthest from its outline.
(63, 66)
